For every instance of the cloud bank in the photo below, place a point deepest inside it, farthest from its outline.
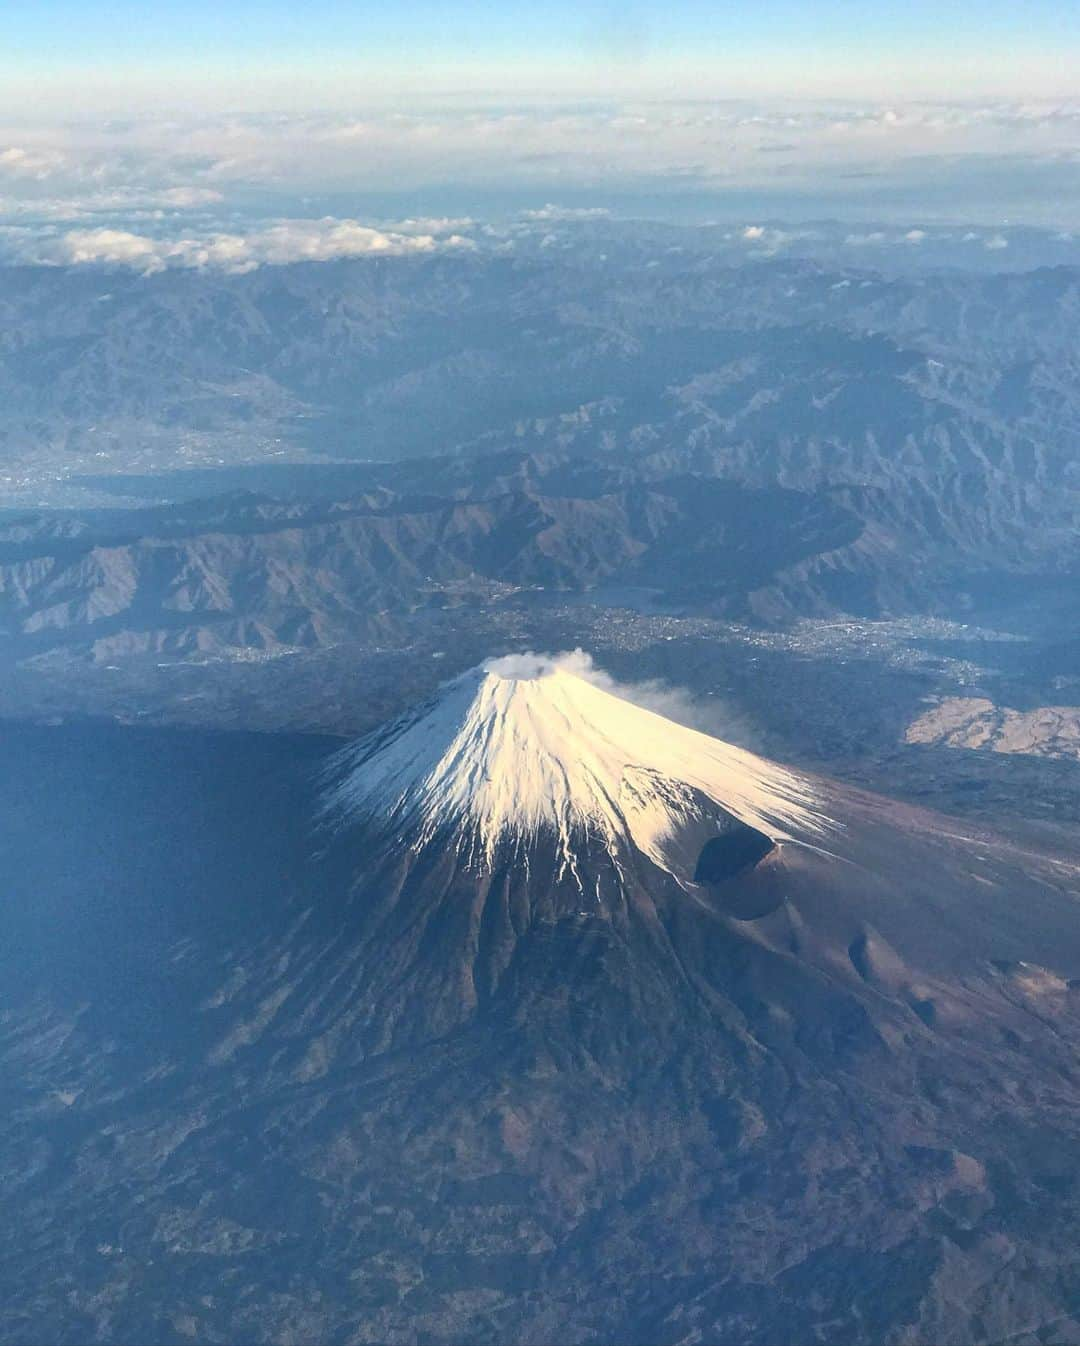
(280, 243)
(979, 160)
(240, 191)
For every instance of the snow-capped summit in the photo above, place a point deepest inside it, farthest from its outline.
(525, 745)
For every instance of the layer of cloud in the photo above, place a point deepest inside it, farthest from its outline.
(720, 147)
(236, 192)
(194, 241)
(37, 165)
(553, 212)
(435, 225)
(278, 243)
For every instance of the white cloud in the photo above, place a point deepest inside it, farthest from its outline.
(996, 243)
(278, 243)
(132, 205)
(711, 716)
(15, 161)
(770, 241)
(115, 246)
(844, 151)
(915, 235)
(554, 212)
(437, 225)
(189, 198)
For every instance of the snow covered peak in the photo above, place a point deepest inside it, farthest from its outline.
(525, 743)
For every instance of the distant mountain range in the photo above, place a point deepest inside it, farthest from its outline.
(380, 359)
(762, 440)
(245, 570)
(254, 571)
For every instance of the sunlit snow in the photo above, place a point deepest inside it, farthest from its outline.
(523, 744)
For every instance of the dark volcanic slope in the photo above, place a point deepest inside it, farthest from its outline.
(330, 1102)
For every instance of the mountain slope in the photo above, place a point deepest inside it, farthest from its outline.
(458, 1092)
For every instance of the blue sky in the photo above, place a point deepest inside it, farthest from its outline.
(77, 29)
(958, 48)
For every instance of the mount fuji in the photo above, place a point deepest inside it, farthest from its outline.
(580, 1025)
(524, 750)
(524, 795)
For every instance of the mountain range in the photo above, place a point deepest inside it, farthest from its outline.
(384, 359)
(306, 454)
(301, 569)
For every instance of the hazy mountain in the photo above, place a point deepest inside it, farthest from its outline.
(577, 1025)
(380, 359)
(764, 439)
(702, 528)
(249, 571)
